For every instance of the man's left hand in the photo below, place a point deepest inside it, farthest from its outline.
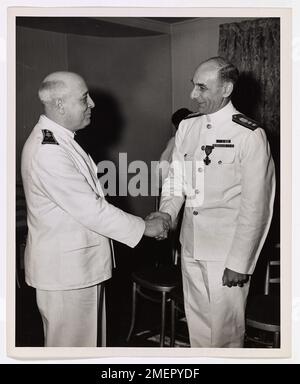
(232, 278)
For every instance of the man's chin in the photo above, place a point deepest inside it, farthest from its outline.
(83, 127)
(86, 123)
(201, 105)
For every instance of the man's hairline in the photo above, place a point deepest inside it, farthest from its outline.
(62, 96)
(218, 77)
(218, 68)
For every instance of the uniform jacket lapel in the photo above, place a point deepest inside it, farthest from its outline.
(85, 166)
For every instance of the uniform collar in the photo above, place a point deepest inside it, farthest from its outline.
(58, 130)
(221, 115)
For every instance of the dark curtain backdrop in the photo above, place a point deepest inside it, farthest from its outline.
(254, 47)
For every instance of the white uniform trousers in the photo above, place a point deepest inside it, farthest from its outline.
(215, 313)
(72, 318)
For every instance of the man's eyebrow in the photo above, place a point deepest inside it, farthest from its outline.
(199, 84)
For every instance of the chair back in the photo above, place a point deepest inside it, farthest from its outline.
(270, 278)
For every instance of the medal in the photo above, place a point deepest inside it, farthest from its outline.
(208, 149)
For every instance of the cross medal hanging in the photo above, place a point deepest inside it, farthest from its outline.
(208, 150)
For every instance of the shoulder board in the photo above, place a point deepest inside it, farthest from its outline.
(196, 114)
(48, 137)
(245, 121)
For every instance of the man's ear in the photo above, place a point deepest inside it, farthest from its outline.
(59, 105)
(227, 89)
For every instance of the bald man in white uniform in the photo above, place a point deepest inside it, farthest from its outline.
(224, 173)
(68, 253)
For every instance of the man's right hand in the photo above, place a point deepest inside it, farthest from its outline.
(157, 227)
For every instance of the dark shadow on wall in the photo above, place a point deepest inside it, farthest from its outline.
(247, 95)
(104, 133)
(106, 126)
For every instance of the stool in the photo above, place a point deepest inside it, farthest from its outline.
(263, 314)
(161, 279)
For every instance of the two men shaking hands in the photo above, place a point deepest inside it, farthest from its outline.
(158, 225)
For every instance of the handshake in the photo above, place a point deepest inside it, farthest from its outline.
(158, 225)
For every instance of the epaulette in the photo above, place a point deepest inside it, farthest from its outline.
(195, 114)
(48, 137)
(245, 121)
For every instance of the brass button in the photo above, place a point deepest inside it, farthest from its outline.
(195, 213)
(200, 169)
(220, 162)
(197, 191)
(203, 147)
(209, 126)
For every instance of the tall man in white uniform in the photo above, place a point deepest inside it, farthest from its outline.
(223, 170)
(68, 253)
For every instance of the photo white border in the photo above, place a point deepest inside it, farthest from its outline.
(286, 167)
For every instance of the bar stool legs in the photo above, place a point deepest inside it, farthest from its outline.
(173, 320)
(133, 313)
(163, 319)
(163, 315)
(276, 343)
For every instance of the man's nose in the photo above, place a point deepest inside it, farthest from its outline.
(91, 103)
(195, 93)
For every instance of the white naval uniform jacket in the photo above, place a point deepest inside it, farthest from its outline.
(229, 202)
(69, 220)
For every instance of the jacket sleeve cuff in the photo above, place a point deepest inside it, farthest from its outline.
(240, 266)
(137, 232)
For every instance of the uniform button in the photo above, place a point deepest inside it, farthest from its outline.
(220, 162)
(208, 126)
(195, 213)
(203, 147)
(197, 191)
(200, 169)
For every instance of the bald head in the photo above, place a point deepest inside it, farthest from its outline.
(58, 85)
(66, 100)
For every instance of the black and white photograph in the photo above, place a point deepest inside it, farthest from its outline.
(148, 183)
